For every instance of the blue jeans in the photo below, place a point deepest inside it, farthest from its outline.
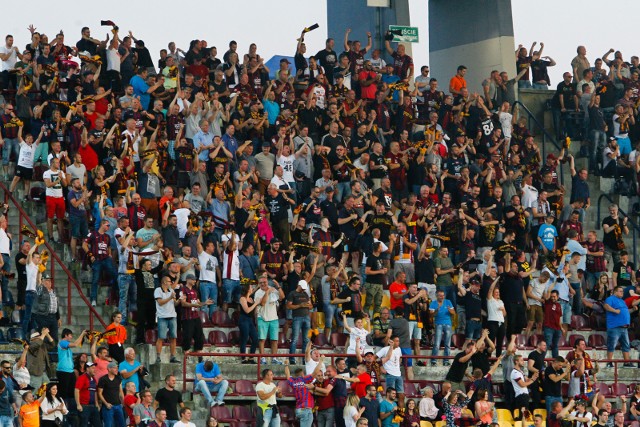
(592, 278)
(206, 388)
(90, 415)
(96, 269)
(112, 417)
(449, 293)
(524, 84)
(344, 190)
(247, 330)
(440, 330)
(300, 323)
(29, 297)
(304, 416)
(11, 145)
(618, 334)
(6, 421)
(230, 291)
(209, 290)
(576, 304)
(474, 327)
(552, 338)
(127, 294)
(269, 419)
(540, 86)
(598, 142)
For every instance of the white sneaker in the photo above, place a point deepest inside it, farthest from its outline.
(263, 360)
(93, 303)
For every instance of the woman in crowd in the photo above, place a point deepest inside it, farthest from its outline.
(246, 322)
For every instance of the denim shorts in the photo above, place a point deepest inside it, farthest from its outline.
(407, 352)
(414, 331)
(396, 382)
(566, 312)
(615, 335)
(474, 328)
(167, 325)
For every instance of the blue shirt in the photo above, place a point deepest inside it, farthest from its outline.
(272, 109)
(547, 234)
(65, 357)
(230, 143)
(443, 317)
(214, 372)
(616, 320)
(135, 378)
(140, 88)
(202, 139)
(386, 406)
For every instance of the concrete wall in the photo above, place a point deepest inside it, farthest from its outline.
(535, 101)
(474, 33)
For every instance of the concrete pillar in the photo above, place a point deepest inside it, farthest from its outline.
(474, 33)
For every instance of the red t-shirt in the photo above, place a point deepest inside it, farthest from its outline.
(360, 388)
(129, 401)
(396, 287)
(368, 92)
(89, 157)
(552, 315)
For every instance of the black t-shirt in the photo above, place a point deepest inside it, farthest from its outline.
(400, 327)
(330, 210)
(384, 195)
(473, 305)
(511, 288)
(328, 60)
(550, 387)
(21, 268)
(375, 263)
(347, 228)
(297, 298)
(613, 238)
(355, 305)
(425, 271)
(169, 401)
(538, 361)
(480, 360)
(624, 273)
(277, 206)
(383, 223)
(111, 389)
(378, 160)
(457, 369)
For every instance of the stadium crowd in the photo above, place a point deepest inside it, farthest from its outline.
(343, 195)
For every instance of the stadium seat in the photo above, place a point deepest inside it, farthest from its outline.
(540, 411)
(286, 413)
(240, 424)
(285, 388)
(221, 413)
(205, 319)
(533, 340)
(434, 385)
(234, 337)
(619, 389)
(425, 424)
(505, 415)
(457, 340)
(151, 336)
(497, 389)
(565, 389)
(410, 390)
(321, 341)
(242, 413)
(562, 343)
(598, 323)
(218, 338)
(579, 322)
(573, 338)
(604, 389)
(597, 341)
(15, 334)
(521, 341)
(338, 339)
(441, 424)
(245, 388)
(505, 423)
(221, 318)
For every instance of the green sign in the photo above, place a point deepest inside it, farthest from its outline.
(404, 34)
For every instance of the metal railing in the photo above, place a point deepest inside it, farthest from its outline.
(546, 136)
(72, 283)
(635, 229)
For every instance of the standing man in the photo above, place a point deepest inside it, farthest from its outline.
(269, 297)
(390, 357)
(169, 399)
(209, 274)
(302, 385)
(442, 311)
(98, 246)
(46, 308)
(166, 301)
(32, 273)
(618, 321)
(86, 398)
(299, 302)
(613, 227)
(111, 395)
(267, 391)
(376, 278)
(191, 323)
(456, 374)
(5, 259)
(520, 384)
(552, 322)
(54, 180)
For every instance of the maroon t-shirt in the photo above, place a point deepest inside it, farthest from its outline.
(552, 315)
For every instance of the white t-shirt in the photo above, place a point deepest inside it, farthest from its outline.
(113, 60)
(357, 333)
(231, 265)
(287, 166)
(77, 172)
(56, 190)
(25, 158)
(348, 419)
(493, 310)
(208, 265)
(182, 215)
(537, 289)
(32, 275)
(392, 366)
(266, 388)
(5, 242)
(515, 376)
(505, 121)
(181, 424)
(10, 63)
(168, 310)
(269, 311)
(586, 414)
(310, 366)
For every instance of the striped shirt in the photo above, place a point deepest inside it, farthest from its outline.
(304, 399)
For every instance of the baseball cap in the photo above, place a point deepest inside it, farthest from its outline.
(190, 277)
(46, 276)
(275, 240)
(34, 335)
(303, 284)
(368, 350)
(329, 189)
(266, 144)
(285, 60)
(112, 365)
(89, 364)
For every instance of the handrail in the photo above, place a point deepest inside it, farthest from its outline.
(634, 226)
(56, 259)
(545, 135)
